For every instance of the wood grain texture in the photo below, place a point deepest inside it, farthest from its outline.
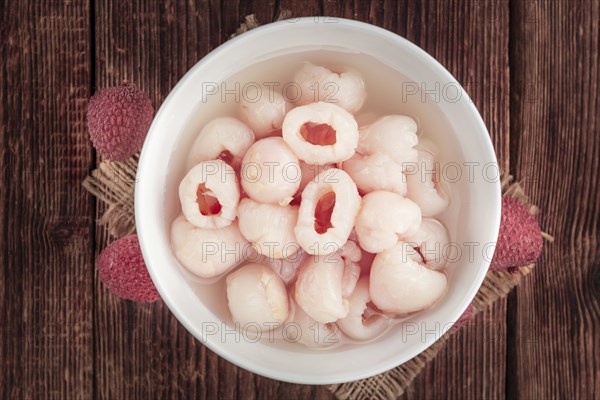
(555, 116)
(45, 215)
(531, 69)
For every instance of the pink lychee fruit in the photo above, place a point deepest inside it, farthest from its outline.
(465, 316)
(121, 267)
(118, 120)
(520, 239)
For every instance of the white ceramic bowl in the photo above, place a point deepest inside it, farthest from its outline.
(474, 215)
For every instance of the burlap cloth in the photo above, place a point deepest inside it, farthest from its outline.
(113, 183)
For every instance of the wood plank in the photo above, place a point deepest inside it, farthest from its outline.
(45, 215)
(555, 149)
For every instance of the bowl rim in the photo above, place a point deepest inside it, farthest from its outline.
(146, 243)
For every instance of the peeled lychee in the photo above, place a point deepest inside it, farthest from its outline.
(520, 239)
(118, 120)
(121, 267)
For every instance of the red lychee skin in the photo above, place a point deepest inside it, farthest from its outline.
(520, 239)
(463, 318)
(121, 267)
(118, 120)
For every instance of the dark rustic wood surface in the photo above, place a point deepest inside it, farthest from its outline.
(532, 69)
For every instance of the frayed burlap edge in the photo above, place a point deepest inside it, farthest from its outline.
(250, 22)
(113, 183)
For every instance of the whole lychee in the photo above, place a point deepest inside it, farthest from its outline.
(118, 120)
(121, 267)
(465, 316)
(520, 239)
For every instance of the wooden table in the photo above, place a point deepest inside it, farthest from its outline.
(533, 71)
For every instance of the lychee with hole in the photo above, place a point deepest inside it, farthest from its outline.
(520, 239)
(118, 119)
(122, 269)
